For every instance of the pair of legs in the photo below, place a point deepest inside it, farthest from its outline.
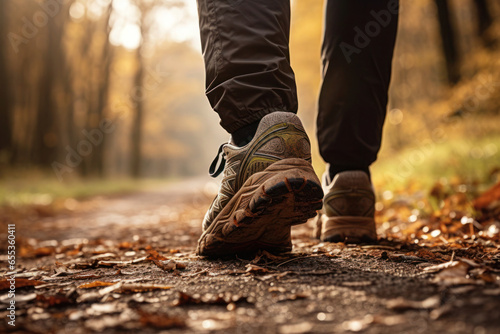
(268, 183)
(248, 72)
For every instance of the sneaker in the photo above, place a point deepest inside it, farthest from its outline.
(348, 209)
(268, 185)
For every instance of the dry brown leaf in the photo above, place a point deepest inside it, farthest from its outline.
(298, 328)
(267, 257)
(169, 265)
(84, 276)
(185, 299)
(141, 287)
(276, 275)
(19, 283)
(94, 284)
(490, 197)
(73, 252)
(121, 263)
(162, 321)
(44, 251)
(454, 274)
(124, 245)
(252, 268)
(154, 255)
(54, 300)
(401, 304)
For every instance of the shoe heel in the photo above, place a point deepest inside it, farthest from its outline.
(348, 229)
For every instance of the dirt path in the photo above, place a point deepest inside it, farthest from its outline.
(138, 252)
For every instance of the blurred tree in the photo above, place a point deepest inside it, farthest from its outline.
(45, 147)
(137, 94)
(5, 94)
(98, 114)
(484, 22)
(83, 83)
(448, 40)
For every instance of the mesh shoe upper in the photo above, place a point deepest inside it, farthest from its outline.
(280, 135)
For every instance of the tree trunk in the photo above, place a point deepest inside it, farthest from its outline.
(448, 40)
(87, 86)
(5, 99)
(46, 134)
(137, 98)
(103, 93)
(484, 22)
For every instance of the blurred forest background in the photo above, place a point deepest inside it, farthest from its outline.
(98, 90)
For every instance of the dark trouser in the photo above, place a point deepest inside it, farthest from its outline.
(248, 72)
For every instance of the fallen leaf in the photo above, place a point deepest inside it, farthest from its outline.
(126, 318)
(154, 255)
(98, 309)
(162, 321)
(30, 274)
(95, 295)
(19, 298)
(124, 245)
(54, 300)
(293, 296)
(103, 256)
(94, 284)
(267, 257)
(440, 311)
(389, 320)
(220, 299)
(169, 265)
(357, 283)
(19, 283)
(121, 263)
(44, 251)
(252, 268)
(454, 274)
(271, 276)
(402, 304)
(490, 197)
(84, 276)
(140, 287)
(301, 327)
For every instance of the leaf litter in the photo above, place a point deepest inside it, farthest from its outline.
(115, 284)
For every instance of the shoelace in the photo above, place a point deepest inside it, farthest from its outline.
(212, 171)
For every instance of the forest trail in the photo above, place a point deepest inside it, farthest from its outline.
(127, 264)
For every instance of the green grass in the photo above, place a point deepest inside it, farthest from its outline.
(36, 187)
(464, 159)
(424, 163)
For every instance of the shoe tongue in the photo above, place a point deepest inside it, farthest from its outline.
(230, 149)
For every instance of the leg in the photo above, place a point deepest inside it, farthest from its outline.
(357, 54)
(268, 182)
(245, 47)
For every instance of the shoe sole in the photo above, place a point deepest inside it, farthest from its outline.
(261, 213)
(349, 229)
